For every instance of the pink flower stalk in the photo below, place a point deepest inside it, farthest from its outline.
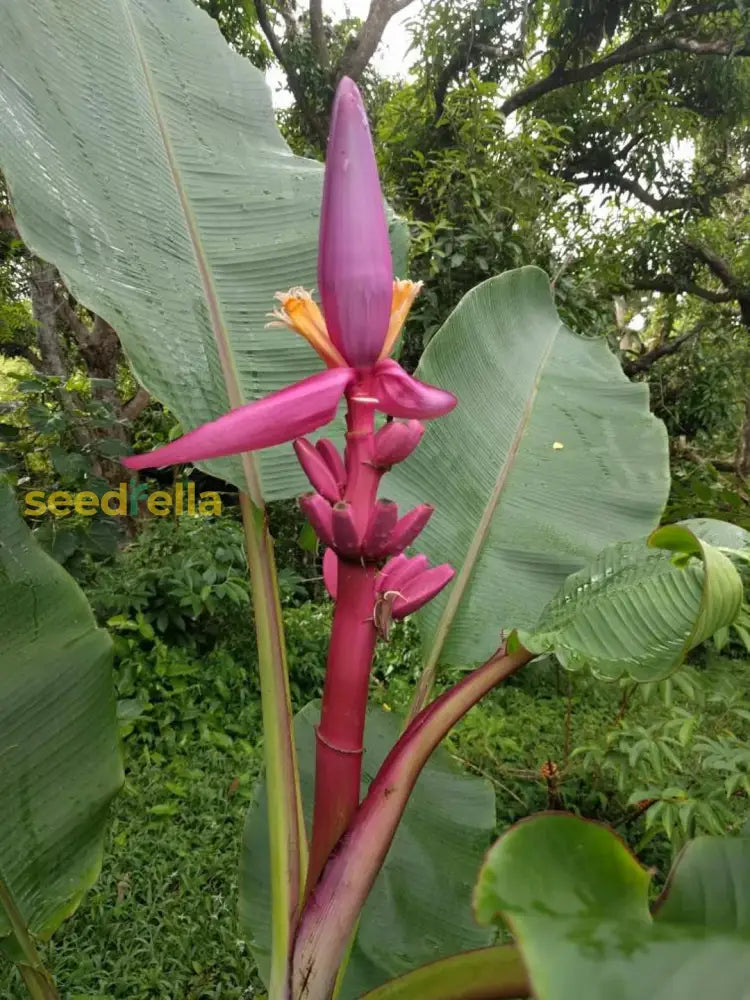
(363, 311)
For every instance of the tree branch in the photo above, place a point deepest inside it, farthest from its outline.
(716, 264)
(659, 203)
(722, 270)
(8, 224)
(318, 34)
(271, 37)
(135, 405)
(630, 51)
(478, 42)
(42, 286)
(684, 450)
(82, 333)
(362, 48)
(669, 284)
(664, 203)
(295, 84)
(645, 361)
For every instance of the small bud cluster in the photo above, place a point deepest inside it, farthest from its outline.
(386, 533)
(407, 582)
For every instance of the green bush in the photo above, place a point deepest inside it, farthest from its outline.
(185, 577)
(659, 763)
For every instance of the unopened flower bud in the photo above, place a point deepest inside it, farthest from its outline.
(316, 469)
(346, 540)
(407, 529)
(396, 441)
(355, 273)
(318, 513)
(377, 536)
(421, 589)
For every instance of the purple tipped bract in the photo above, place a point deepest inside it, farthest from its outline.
(355, 271)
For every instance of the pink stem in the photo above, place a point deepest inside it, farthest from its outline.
(338, 759)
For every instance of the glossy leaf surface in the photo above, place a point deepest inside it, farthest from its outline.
(59, 745)
(550, 455)
(577, 902)
(639, 607)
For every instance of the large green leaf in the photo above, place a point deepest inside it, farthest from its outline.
(550, 455)
(639, 607)
(420, 907)
(484, 974)
(144, 160)
(577, 902)
(59, 751)
(722, 534)
(710, 886)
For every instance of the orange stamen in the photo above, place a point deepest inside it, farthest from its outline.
(404, 293)
(300, 313)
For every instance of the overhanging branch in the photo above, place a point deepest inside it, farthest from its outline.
(669, 284)
(739, 291)
(658, 203)
(716, 264)
(477, 43)
(630, 51)
(645, 361)
(610, 178)
(265, 26)
(296, 85)
(362, 48)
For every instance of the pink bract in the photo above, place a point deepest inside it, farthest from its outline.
(355, 271)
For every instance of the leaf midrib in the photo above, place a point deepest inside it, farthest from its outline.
(272, 663)
(218, 325)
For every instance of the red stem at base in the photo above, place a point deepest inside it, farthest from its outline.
(332, 911)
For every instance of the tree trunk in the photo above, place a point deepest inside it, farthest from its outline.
(42, 281)
(742, 462)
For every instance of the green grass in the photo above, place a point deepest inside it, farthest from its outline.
(161, 921)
